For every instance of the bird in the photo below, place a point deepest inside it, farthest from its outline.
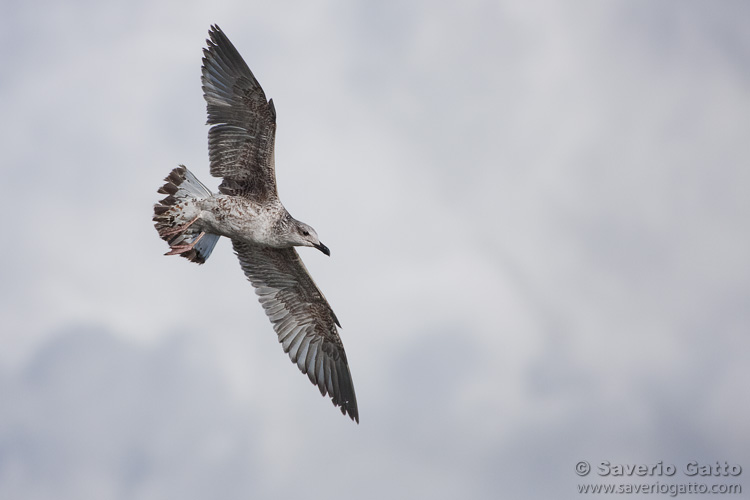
(248, 211)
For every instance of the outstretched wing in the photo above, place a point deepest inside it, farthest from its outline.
(241, 141)
(302, 319)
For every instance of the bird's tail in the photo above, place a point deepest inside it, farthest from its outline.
(175, 214)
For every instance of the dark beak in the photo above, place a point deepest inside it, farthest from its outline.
(323, 249)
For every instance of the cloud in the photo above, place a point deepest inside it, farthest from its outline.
(98, 417)
(537, 221)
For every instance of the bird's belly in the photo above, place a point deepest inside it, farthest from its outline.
(233, 217)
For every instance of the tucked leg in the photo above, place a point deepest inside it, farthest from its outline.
(179, 249)
(177, 229)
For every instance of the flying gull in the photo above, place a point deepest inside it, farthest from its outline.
(248, 211)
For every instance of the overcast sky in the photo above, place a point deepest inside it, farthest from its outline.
(538, 221)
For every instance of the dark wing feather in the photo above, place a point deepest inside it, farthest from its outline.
(302, 319)
(241, 141)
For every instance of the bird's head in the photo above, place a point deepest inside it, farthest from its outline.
(304, 235)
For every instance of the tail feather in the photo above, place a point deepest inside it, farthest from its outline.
(181, 183)
(174, 215)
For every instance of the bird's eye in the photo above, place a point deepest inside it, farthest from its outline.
(305, 233)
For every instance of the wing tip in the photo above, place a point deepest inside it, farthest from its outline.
(348, 402)
(352, 411)
(214, 30)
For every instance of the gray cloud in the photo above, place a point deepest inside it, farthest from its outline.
(537, 220)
